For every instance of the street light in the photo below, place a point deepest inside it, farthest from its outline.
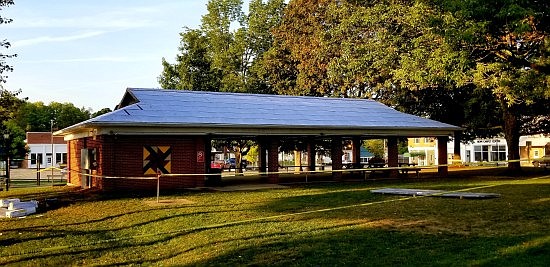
(6, 152)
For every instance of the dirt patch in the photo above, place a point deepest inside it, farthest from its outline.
(169, 202)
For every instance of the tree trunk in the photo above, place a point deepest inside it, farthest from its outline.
(456, 152)
(511, 133)
(238, 160)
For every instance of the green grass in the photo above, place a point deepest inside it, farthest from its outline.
(307, 225)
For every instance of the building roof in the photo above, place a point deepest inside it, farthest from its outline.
(161, 111)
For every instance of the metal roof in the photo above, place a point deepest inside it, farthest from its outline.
(165, 111)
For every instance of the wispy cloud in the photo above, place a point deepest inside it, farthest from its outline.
(52, 39)
(94, 59)
(126, 18)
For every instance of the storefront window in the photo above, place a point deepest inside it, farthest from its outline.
(481, 153)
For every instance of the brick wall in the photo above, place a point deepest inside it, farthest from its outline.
(43, 138)
(122, 156)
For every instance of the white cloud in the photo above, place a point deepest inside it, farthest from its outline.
(52, 39)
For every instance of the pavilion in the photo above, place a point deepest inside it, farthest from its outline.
(171, 131)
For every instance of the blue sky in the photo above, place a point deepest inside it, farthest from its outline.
(88, 52)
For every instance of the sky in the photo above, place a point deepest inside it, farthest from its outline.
(88, 52)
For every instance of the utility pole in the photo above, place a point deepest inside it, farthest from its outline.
(53, 154)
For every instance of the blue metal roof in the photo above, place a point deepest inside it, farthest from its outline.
(179, 108)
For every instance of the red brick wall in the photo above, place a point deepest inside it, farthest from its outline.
(122, 156)
(73, 164)
(43, 138)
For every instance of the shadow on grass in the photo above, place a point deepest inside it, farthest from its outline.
(377, 247)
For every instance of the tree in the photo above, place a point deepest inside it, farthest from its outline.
(217, 58)
(193, 68)
(297, 63)
(101, 112)
(9, 105)
(453, 57)
(510, 47)
(37, 117)
(224, 53)
(4, 67)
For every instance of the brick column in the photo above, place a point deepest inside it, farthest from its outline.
(262, 157)
(443, 171)
(311, 153)
(207, 153)
(202, 144)
(336, 155)
(393, 156)
(273, 160)
(356, 152)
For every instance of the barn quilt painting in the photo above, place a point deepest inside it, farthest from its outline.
(157, 157)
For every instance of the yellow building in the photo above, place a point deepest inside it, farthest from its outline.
(423, 151)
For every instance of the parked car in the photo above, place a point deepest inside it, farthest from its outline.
(217, 164)
(231, 163)
(542, 162)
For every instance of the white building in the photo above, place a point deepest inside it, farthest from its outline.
(45, 150)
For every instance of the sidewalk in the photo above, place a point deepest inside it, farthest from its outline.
(27, 174)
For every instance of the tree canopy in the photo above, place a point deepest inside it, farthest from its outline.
(481, 65)
(37, 117)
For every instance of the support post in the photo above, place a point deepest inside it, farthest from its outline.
(442, 169)
(356, 152)
(336, 155)
(393, 156)
(273, 161)
(262, 159)
(311, 154)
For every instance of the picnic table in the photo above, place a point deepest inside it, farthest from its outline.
(377, 167)
(405, 168)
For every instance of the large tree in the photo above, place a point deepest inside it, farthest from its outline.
(224, 53)
(441, 59)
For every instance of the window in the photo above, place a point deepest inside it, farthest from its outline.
(481, 153)
(36, 158)
(426, 140)
(33, 158)
(417, 140)
(536, 154)
(60, 158)
(498, 153)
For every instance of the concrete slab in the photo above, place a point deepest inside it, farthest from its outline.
(433, 193)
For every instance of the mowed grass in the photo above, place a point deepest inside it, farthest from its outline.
(331, 224)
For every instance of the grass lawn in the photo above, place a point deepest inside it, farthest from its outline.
(330, 224)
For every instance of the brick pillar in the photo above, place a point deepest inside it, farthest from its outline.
(393, 156)
(356, 152)
(262, 157)
(443, 171)
(273, 161)
(207, 154)
(311, 153)
(201, 146)
(336, 155)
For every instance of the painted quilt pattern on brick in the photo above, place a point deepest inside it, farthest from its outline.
(157, 157)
